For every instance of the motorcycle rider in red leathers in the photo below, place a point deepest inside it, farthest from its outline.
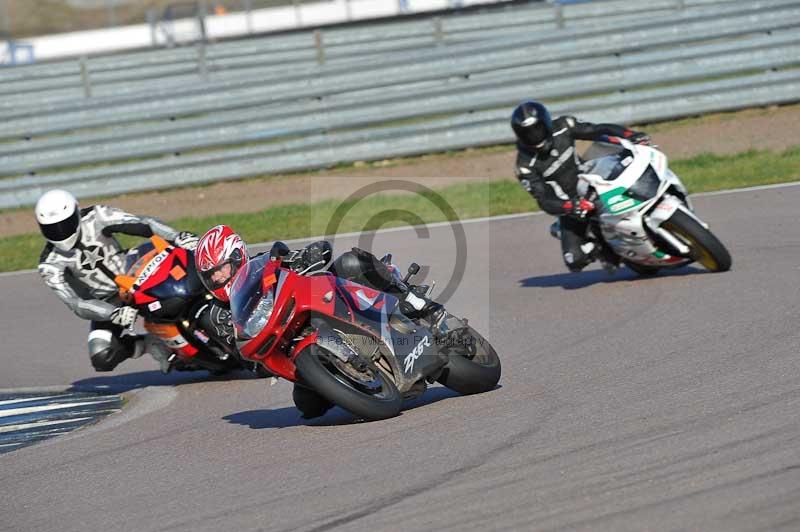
(81, 260)
(221, 254)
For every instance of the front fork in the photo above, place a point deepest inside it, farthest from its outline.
(663, 211)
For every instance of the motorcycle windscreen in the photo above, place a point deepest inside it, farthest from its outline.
(136, 257)
(609, 167)
(646, 187)
(251, 300)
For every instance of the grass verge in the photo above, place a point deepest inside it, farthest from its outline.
(470, 200)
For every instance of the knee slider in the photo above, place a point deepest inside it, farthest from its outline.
(106, 360)
(106, 351)
(576, 264)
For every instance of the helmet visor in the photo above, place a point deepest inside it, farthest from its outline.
(60, 231)
(534, 134)
(219, 276)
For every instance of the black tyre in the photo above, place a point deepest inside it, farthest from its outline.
(705, 248)
(642, 269)
(474, 366)
(371, 395)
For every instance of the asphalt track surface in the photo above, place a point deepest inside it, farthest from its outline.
(668, 403)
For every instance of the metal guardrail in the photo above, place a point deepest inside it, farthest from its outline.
(469, 135)
(643, 68)
(248, 126)
(171, 76)
(445, 97)
(315, 142)
(231, 94)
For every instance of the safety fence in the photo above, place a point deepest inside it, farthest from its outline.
(155, 120)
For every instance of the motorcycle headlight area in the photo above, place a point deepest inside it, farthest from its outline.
(646, 187)
(259, 316)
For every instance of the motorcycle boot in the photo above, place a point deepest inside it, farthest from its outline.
(578, 258)
(417, 305)
(363, 267)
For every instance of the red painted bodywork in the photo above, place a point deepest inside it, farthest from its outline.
(311, 294)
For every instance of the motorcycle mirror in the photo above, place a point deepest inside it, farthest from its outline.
(278, 250)
(412, 270)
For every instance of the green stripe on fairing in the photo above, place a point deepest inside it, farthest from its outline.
(658, 254)
(612, 193)
(606, 197)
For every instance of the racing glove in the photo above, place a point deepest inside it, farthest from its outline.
(578, 207)
(639, 137)
(186, 240)
(124, 316)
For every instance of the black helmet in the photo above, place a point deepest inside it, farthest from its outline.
(532, 124)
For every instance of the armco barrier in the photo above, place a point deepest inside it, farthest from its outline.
(709, 56)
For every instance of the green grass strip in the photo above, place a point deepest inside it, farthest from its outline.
(469, 200)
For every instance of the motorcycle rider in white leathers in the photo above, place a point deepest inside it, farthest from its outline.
(80, 261)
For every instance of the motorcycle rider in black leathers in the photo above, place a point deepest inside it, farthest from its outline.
(548, 165)
(79, 263)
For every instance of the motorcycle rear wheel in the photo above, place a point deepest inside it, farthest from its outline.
(705, 248)
(379, 399)
(473, 367)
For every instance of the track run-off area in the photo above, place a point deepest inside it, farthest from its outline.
(665, 403)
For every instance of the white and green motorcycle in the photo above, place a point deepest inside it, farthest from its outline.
(643, 215)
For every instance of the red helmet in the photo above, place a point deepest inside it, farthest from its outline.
(219, 255)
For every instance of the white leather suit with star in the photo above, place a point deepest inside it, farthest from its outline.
(83, 277)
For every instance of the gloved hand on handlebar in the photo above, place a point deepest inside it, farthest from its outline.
(123, 316)
(640, 137)
(312, 258)
(579, 207)
(186, 240)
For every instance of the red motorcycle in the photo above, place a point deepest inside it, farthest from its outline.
(351, 344)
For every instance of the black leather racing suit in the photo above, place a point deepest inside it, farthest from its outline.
(551, 176)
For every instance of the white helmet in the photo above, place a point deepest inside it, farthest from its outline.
(59, 218)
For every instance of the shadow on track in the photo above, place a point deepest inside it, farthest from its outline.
(131, 381)
(574, 281)
(280, 418)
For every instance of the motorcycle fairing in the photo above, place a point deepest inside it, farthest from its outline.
(622, 217)
(343, 305)
(412, 346)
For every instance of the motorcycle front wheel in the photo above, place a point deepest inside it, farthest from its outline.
(369, 394)
(704, 247)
